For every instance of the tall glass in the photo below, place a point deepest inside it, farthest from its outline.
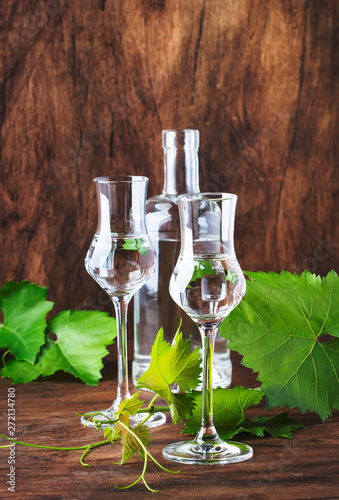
(207, 283)
(121, 259)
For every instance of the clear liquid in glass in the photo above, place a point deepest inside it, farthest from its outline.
(120, 265)
(208, 287)
(154, 306)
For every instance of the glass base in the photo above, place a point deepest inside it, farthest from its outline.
(154, 421)
(212, 453)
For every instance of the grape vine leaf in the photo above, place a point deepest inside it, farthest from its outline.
(280, 425)
(130, 444)
(131, 405)
(129, 441)
(78, 349)
(173, 364)
(278, 328)
(229, 409)
(24, 308)
(112, 434)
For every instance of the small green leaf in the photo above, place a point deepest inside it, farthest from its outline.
(173, 364)
(278, 328)
(135, 244)
(111, 433)
(131, 405)
(24, 307)
(130, 445)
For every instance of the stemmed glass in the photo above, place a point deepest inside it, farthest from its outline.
(207, 283)
(121, 259)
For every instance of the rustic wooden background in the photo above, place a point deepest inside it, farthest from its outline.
(88, 85)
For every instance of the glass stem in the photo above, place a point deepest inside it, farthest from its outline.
(207, 431)
(120, 306)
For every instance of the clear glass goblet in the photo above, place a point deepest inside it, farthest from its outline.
(207, 283)
(121, 259)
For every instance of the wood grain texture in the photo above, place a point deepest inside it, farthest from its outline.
(305, 467)
(87, 87)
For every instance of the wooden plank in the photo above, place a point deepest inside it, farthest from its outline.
(87, 87)
(305, 467)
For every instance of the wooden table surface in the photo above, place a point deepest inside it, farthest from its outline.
(305, 467)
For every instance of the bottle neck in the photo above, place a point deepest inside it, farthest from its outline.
(181, 171)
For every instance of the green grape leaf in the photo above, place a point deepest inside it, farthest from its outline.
(79, 348)
(131, 405)
(280, 425)
(111, 433)
(129, 441)
(24, 308)
(173, 364)
(48, 362)
(180, 405)
(278, 328)
(135, 244)
(229, 409)
(130, 445)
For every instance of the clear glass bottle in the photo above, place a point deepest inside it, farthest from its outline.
(153, 306)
